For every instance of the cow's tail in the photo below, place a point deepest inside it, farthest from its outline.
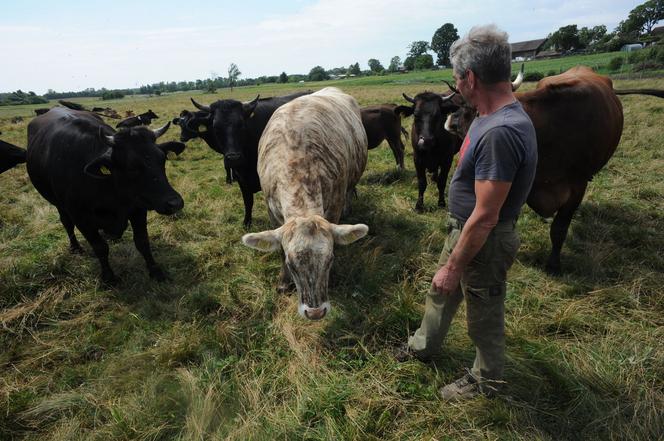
(10, 156)
(405, 132)
(652, 92)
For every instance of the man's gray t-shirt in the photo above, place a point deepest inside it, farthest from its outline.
(501, 146)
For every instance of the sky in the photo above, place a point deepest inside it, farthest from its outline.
(70, 45)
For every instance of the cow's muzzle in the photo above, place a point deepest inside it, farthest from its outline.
(314, 313)
(171, 206)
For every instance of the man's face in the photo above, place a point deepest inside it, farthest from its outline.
(462, 84)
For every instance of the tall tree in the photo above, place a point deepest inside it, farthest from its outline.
(318, 74)
(442, 40)
(283, 78)
(565, 38)
(233, 74)
(375, 66)
(588, 37)
(354, 69)
(395, 62)
(642, 18)
(417, 48)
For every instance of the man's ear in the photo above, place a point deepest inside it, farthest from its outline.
(269, 240)
(347, 234)
(404, 110)
(101, 166)
(171, 148)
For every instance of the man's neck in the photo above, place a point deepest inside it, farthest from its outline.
(494, 97)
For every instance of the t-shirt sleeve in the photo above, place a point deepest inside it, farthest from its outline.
(498, 155)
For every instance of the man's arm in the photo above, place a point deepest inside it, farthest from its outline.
(490, 197)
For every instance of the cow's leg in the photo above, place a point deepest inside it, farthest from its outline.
(421, 187)
(74, 246)
(397, 150)
(402, 153)
(442, 179)
(560, 226)
(229, 174)
(285, 283)
(248, 198)
(139, 226)
(100, 248)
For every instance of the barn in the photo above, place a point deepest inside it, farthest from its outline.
(524, 50)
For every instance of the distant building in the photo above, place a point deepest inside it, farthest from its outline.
(657, 31)
(631, 47)
(524, 50)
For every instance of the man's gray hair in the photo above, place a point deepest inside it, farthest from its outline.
(486, 52)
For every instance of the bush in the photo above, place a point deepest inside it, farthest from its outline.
(112, 95)
(551, 73)
(616, 63)
(648, 65)
(637, 56)
(533, 76)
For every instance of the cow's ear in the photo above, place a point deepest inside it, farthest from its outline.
(346, 234)
(101, 166)
(269, 240)
(404, 110)
(172, 147)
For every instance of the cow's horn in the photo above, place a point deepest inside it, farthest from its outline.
(452, 88)
(160, 131)
(200, 106)
(518, 80)
(448, 97)
(407, 98)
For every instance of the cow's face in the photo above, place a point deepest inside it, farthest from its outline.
(230, 126)
(429, 111)
(150, 114)
(193, 124)
(136, 165)
(459, 122)
(308, 246)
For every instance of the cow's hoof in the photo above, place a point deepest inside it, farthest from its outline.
(158, 274)
(553, 269)
(109, 279)
(76, 250)
(441, 204)
(419, 208)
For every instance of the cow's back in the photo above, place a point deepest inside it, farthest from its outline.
(316, 142)
(578, 120)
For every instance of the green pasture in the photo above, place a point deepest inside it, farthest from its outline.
(217, 354)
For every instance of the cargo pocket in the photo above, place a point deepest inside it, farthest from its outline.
(509, 246)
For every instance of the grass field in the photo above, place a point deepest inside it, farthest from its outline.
(218, 354)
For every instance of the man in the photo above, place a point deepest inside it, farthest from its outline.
(495, 171)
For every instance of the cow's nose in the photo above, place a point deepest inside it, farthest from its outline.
(174, 205)
(233, 156)
(315, 313)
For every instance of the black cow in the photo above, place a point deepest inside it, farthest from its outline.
(433, 147)
(144, 119)
(194, 125)
(237, 128)
(10, 156)
(42, 110)
(100, 179)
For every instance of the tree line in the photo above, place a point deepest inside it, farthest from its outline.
(635, 28)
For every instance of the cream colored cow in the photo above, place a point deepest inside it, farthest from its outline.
(310, 157)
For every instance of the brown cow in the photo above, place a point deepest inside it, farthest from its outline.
(579, 120)
(382, 122)
(310, 157)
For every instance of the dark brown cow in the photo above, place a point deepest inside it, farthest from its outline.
(144, 119)
(382, 122)
(579, 120)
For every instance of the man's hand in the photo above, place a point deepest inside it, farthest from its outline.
(446, 279)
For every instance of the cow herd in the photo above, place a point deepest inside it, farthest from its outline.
(306, 152)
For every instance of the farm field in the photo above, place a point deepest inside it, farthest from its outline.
(216, 353)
